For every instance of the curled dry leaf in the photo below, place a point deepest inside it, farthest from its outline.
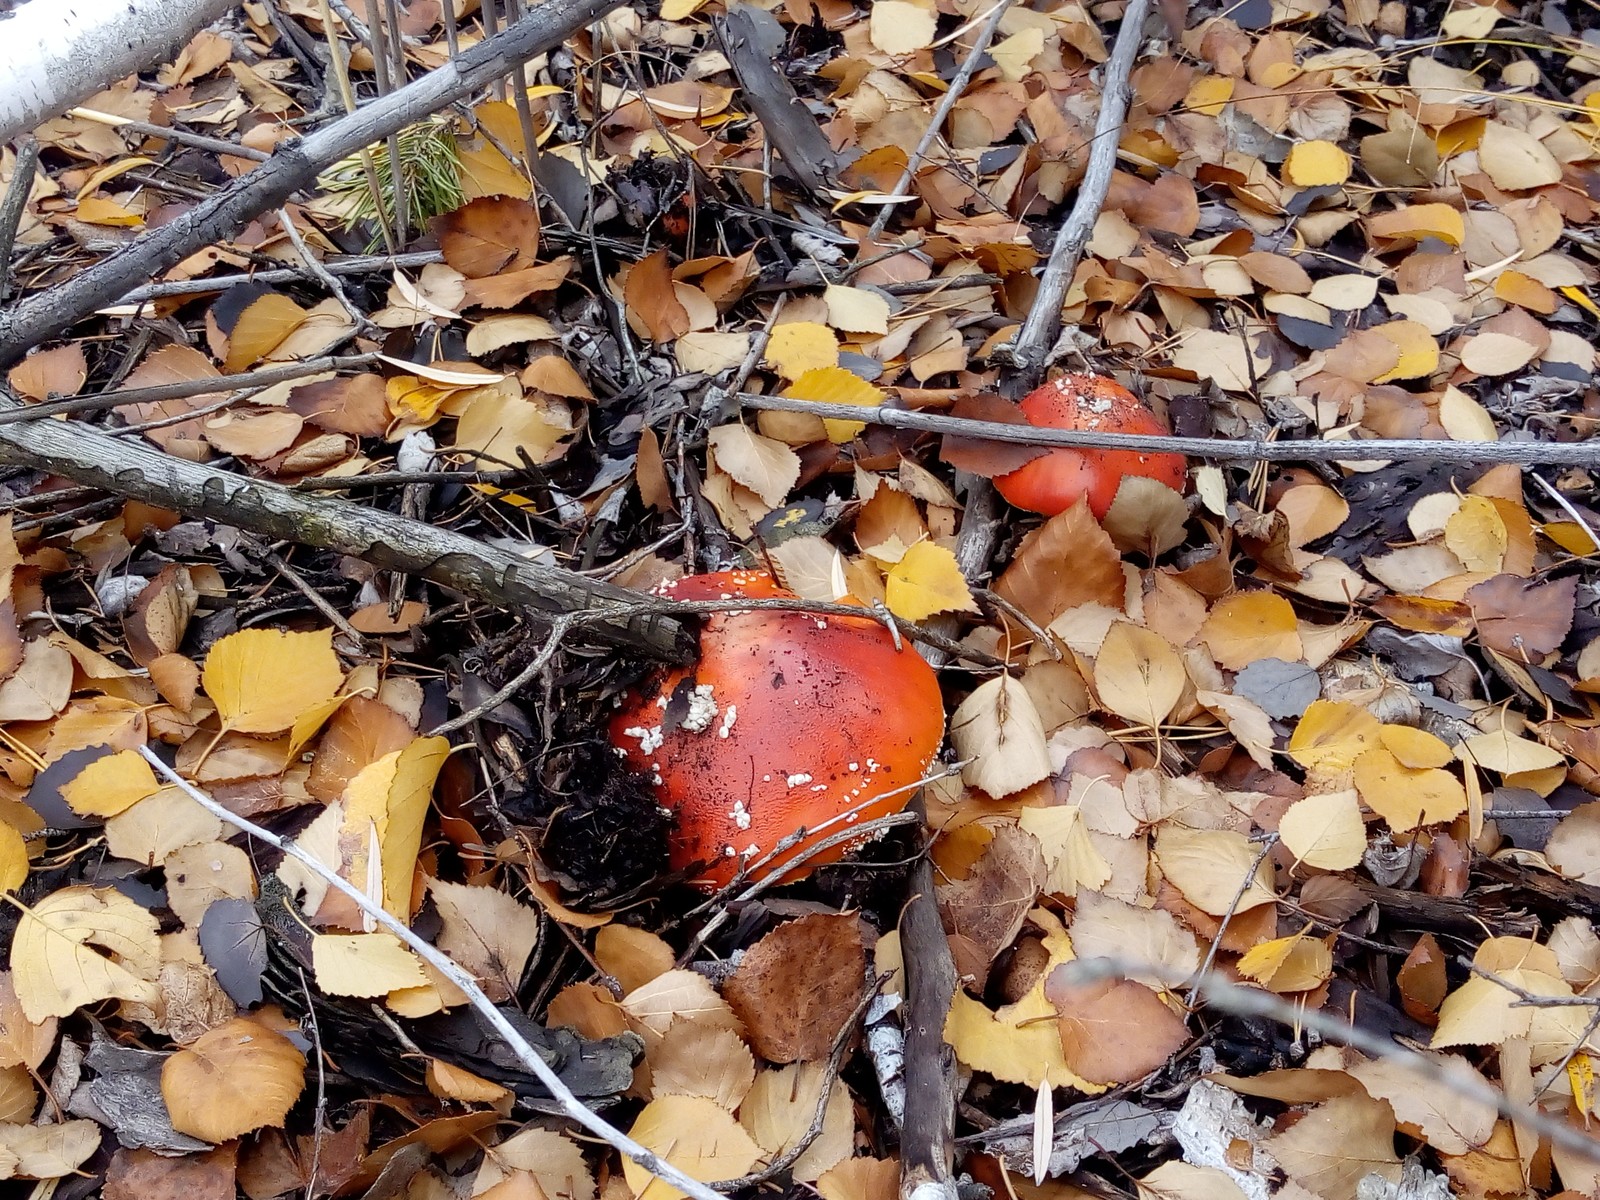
(235, 1078)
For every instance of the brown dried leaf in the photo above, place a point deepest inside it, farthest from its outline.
(1522, 619)
(984, 912)
(795, 988)
(489, 236)
(1035, 581)
(981, 456)
(652, 301)
(1113, 1030)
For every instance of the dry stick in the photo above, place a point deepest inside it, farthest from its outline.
(958, 85)
(927, 1138)
(317, 600)
(184, 389)
(352, 264)
(496, 1020)
(16, 200)
(1029, 353)
(317, 271)
(1250, 1002)
(180, 136)
(389, 542)
(1567, 454)
(291, 167)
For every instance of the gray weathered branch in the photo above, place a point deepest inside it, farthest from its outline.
(292, 167)
(127, 468)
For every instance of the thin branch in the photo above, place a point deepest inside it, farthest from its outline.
(180, 136)
(1570, 454)
(947, 102)
(1241, 1001)
(184, 389)
(446, 966)
(351, 264)
(558, 630)
(16, 200)
(1029, 352)
(321, 274)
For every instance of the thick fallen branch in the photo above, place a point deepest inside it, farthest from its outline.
(1029, 353)
(54, 55)
(292, 167)
(1528, 454)
(128, 468)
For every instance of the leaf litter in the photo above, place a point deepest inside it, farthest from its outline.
(1275, 735)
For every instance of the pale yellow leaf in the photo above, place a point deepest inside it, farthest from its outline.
(694, 1134)
(766, 466)
(1325, 831)
(998, 733)
(927, 580)
(1138, 674)
(262, 679)
(82, 945)
(1210, 866)
(856, 310)
(364, 964)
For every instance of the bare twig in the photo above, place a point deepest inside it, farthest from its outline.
(350, 264)
(947, 102)
(1576, 454)
(569, 1104)
(321, 274)
(181, 136)
(1267, 843)
(16, 200)
(1243, 1001)
(317, 600)
(558, 630)
(1029, 352)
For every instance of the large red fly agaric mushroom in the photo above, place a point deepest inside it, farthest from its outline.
(787, 721)
(1056, 481)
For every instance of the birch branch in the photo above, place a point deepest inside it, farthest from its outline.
(292, 167)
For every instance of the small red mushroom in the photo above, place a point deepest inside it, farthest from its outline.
(1054, 482)
(787, 721)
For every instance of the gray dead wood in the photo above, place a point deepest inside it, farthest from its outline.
(1029, 353)
(1527, 454)
(292, 167)
(453, 560)
(751, 39)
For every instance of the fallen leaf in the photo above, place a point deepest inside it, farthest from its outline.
(262, 679)
(1138, 675)
(795, 989)
(235, 1078)
(1114, 1030)
(927, 580)
(695, 1135)
(997, 731)
(81, 945)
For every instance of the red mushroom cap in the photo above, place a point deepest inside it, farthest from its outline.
(788, 720)
(1054, 482)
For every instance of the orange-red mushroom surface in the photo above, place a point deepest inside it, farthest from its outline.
(787, 721)
(1054, 482)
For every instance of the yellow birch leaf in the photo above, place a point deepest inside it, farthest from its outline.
(800, 346)
(1138, 674)
(1069, 853)
(1288, 964)
(415, 772)
(82, 945)
(856, 310)
(1208, 95)
(110, 785)
(1248, 626)
(262, 679)
(13, 857)
(1331, 734)
(1021, 1042)
(364, 964)
(1209, 865)
(1419, 353)
(260, 328)
(696, 1135)
(232, 1079)
(1316, 164)
(927, 580)
(1415, 748)
(1406, 798)
(1325, 831)
(764, 465)
(1476, 534)
(835, 385)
